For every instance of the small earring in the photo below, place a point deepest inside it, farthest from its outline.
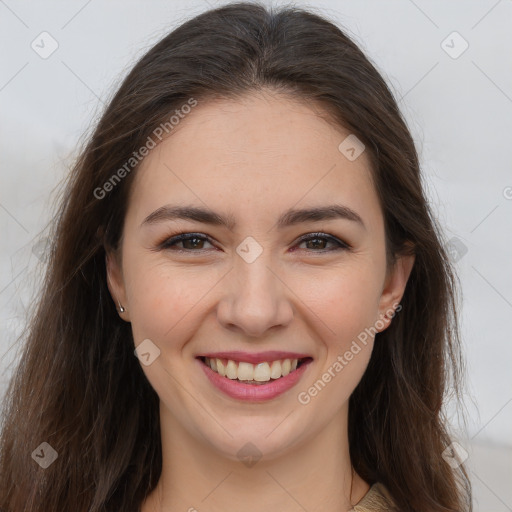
(121, 309)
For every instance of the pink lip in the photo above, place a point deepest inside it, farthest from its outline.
(254, 392)
(260, 357)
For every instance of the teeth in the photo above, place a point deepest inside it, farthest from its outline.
(275, 370)
(231, 370)
(221, 369)
(261, 372)
(245, 371)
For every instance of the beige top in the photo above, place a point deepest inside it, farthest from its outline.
(377, 499)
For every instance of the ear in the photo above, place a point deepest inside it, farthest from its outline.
(394, 288)
(115, 283)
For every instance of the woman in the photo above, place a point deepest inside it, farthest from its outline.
(248, 304)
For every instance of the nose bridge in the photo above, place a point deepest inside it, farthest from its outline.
(255, 300)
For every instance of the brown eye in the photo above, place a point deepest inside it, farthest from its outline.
(317, 242)
(189, 241)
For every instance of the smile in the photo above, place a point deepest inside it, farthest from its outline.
(253, 373)
(253, 382)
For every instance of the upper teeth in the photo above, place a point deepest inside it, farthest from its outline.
(260, 372)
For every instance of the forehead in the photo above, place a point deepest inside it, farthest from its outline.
(263, 149)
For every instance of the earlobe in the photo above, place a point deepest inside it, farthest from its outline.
(394, 289)
(115, 285)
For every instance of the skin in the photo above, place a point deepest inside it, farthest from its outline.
(254, 158)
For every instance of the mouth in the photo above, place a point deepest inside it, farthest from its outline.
(253, 382)
(253, 374)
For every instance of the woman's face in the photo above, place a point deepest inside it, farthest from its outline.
(255, 286)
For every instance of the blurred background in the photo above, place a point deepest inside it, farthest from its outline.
(449, 65)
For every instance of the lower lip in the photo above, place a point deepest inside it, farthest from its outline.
(254, 392)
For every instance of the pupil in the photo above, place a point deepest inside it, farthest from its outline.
(190, 240)
(313, 240)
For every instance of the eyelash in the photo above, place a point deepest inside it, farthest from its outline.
(169, 242)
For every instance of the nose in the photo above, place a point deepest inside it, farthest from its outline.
(255, 299)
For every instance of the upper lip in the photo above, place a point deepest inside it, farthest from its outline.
(254, 358)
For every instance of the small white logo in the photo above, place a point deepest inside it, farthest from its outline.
(351, 147)
(455, 455)
(456, 249)
(249, 249)
(44, 455)
(147, 352)
(454, 45)
(44, 45)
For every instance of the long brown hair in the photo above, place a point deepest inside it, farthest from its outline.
(78, 385)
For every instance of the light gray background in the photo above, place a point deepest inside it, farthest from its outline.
(458, 107)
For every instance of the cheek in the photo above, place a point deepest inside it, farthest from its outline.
(346, 299)
(345, 305)
(162, 299)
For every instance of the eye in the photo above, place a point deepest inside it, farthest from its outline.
(194, 242)
(319, 240)
(190, 241)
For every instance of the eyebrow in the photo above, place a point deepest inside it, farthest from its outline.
(288, 218)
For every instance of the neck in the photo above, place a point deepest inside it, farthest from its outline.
(315, 474)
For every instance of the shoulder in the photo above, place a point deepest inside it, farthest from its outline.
(377, 499)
